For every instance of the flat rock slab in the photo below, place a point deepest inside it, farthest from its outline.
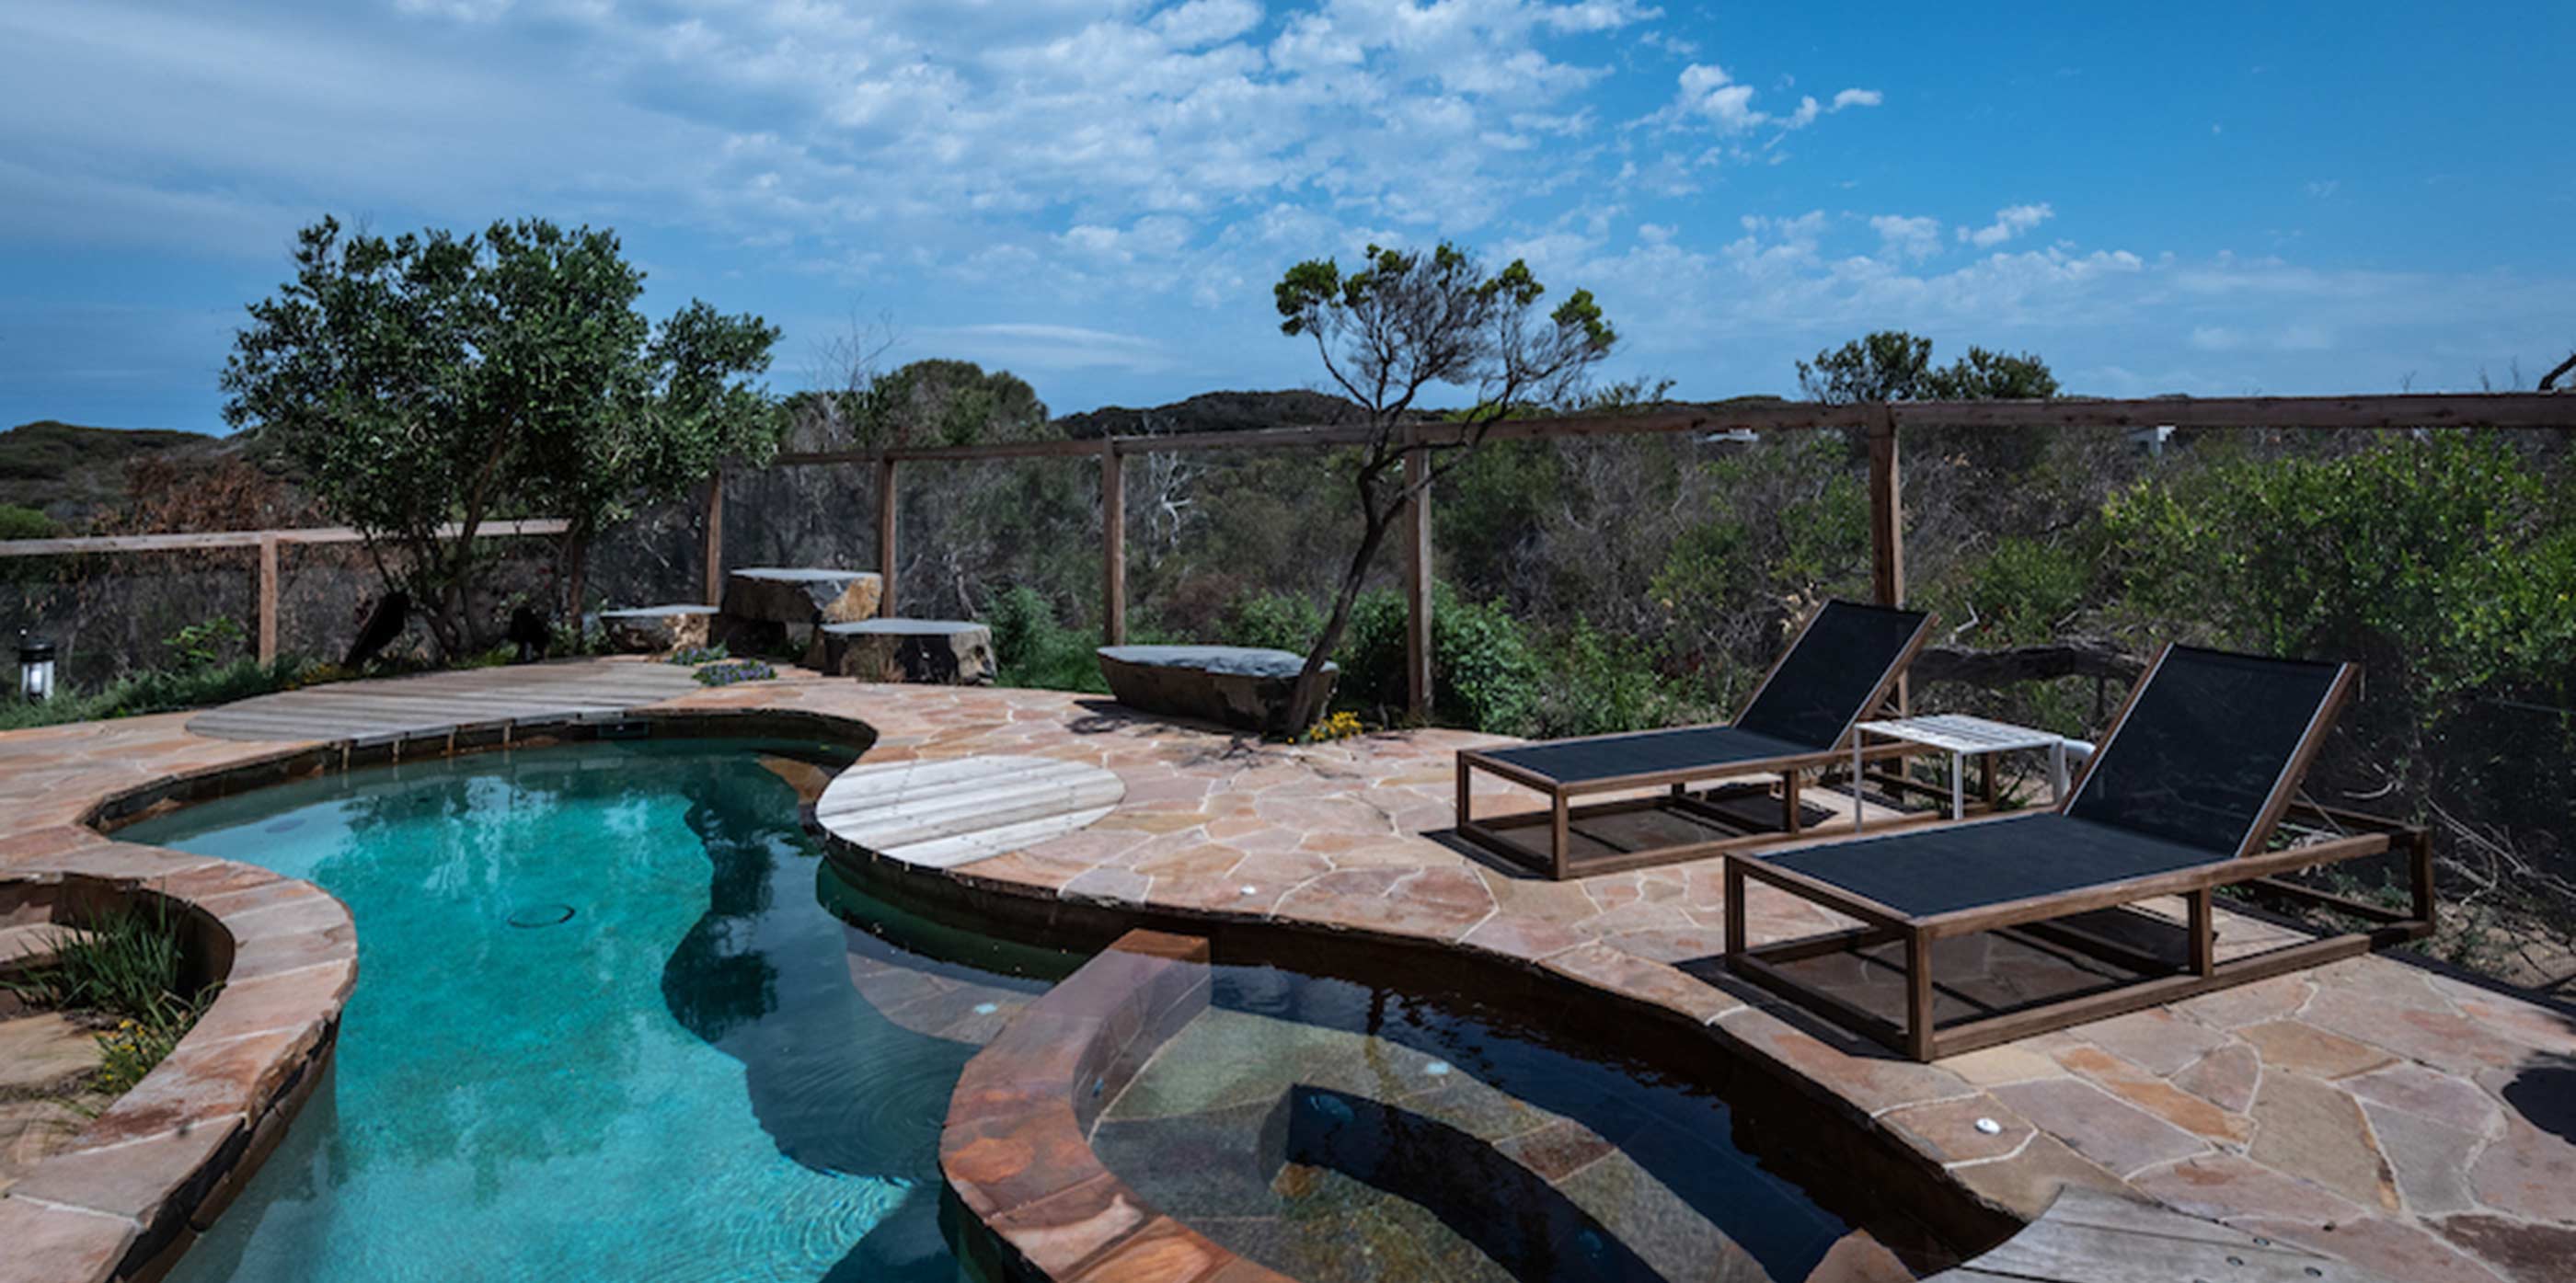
(1246, 687)
(941, 814)
(655, 630)
(951, 652)
(41, 1050)
(801, 597)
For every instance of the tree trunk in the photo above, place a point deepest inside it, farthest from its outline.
(1306, 699)
(576, 574)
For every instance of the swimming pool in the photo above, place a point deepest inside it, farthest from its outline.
(606, 1028)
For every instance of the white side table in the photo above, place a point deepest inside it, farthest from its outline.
(1962, 737)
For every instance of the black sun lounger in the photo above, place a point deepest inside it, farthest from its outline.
(1843, 663)
(2182, 798)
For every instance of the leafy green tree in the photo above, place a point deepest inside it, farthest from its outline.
(1892, 365)
(1388, 331)
(430, 382)
(1887, 365)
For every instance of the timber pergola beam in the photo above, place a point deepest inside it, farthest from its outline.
(1881, 422)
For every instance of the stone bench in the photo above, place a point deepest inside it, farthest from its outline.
(657, 630)
(1240, 686)
(952, 652)
(776, 609)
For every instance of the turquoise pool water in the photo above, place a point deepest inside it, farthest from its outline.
(605, 1029)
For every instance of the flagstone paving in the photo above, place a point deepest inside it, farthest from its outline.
(2395, 1117)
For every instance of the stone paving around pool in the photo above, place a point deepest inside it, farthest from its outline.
(2400, 1119)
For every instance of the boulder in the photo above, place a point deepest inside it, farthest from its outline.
(951, 652)
(657, 630)
(784, 595)
(1241, 686)
(773, 610)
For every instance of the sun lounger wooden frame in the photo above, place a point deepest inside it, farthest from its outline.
(2201, 972)
(1554, 860)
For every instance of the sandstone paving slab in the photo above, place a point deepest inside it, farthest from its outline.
(2430, 1094)
(39, 1051)
(2226, 1077)
(2138, 1087)
(2311, 1130)
(2300, 1048)
(2431, 1160)
(2233, 1188)
(49, 1244)
(2155, 1039)
(2121, 1137)
(2529, 1173)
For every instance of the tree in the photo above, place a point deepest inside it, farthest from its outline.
(430, 382)
(1892, 365)
(1387, 331)
(689, 406)
(1887, 365)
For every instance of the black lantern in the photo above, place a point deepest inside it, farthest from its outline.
(35, 668)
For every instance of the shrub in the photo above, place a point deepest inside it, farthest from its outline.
(26, 523)
(1277, 620)
(692, 656)
(1488, 676)
(203, 644)
(1032, 649)
(2023, 589)
(1598, 683)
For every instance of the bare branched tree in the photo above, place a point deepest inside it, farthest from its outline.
(1386, 333)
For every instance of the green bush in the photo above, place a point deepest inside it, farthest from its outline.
(205, 643)
(1488, 675)
(159, 691)
(1033, 649)
(26, 523)
(1276, 620)
(2022, 590)
(1599, 683)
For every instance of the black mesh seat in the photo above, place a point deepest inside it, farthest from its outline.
(1610, 757)
(1846, 656)
(1941, 870)
(2182, 798)
(2187, 778)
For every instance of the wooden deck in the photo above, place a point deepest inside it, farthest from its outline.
(2091, 1237)
(521, 694)
(943, 813)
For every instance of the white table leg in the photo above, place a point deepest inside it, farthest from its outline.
(1857, 737)
(1958, 785)
(2057, 771)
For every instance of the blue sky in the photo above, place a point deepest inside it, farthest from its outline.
(2208, 199)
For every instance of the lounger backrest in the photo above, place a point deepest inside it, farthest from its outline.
(2211, 747)
(1847, 657)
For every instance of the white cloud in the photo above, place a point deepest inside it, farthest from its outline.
(2010, 221)
(1907, 238)
(1039, 346)
(1707, 93)
(1205, 22)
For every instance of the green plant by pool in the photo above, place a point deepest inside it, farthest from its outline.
(604, 1029)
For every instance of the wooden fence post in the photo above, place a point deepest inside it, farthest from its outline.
(1417, 584)
(268, 599)
(1113, 544)
(885, 535)
(1887, 524)
(715, 539)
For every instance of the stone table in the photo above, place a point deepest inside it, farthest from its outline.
(1246, 687)
(775, 609)
(954, 652)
